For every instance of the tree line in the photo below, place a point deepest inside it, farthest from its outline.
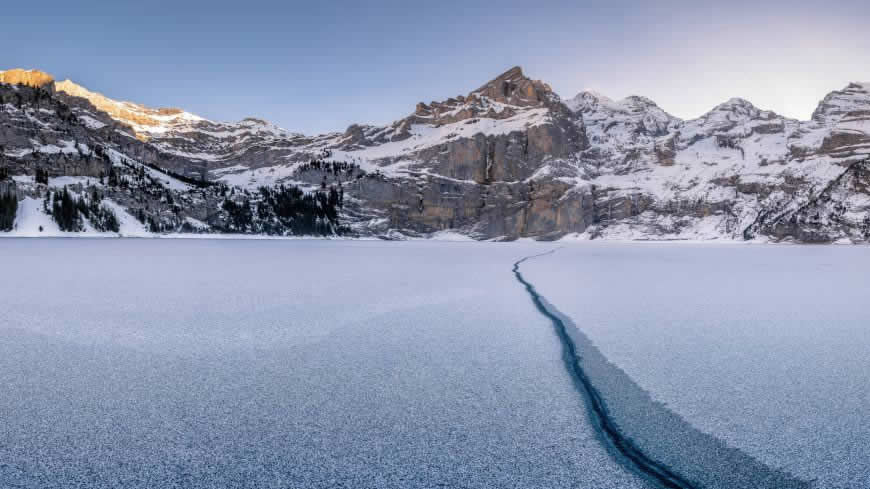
(337, 168)
(281, 210)
(69, 211)
(8, 210)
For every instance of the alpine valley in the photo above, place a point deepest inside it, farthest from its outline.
(508, 160)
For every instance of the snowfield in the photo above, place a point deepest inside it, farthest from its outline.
(763, 347)
(277, 364)
(311, 363)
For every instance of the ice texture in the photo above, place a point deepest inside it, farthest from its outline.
(762, 347)
(284, 364)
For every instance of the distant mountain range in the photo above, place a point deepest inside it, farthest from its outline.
(508, 160)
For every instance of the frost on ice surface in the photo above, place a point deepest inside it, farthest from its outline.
(174, 363)
(763, 348)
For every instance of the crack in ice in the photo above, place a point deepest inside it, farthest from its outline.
(629, 454)
(665, 449)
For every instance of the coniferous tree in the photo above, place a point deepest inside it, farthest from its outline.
(41, 176)
(8, 210)
(65, 212)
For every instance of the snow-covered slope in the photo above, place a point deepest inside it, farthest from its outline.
(144, 121)
(67, 161)
(722, 175)
(507, 160)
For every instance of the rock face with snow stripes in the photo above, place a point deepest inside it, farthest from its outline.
(508, 160)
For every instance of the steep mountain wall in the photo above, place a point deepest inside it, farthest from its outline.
(508, 160)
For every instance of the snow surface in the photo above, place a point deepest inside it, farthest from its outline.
(91, 123)
(244, 177)
(172, 183)
(425, 136)
(279, 364)
(762, 347)
(129, 226)
(31, 216)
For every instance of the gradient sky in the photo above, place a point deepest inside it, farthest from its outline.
(319, 66)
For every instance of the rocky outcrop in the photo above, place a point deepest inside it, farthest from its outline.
(470, 159)
(838, 104)
(40, 132)
(507, 160)
(501, 98)
(27, 78)
(840, 212)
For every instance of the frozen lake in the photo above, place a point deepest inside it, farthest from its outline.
(766, 348)
(275, 364)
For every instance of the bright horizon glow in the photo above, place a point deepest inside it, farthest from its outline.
(319, 68)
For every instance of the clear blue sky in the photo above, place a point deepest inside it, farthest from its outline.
(320, 65)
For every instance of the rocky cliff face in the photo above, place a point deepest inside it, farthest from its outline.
(508, 160)
(470, 163)
(27, 78)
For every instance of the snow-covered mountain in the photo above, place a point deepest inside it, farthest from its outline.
(508, 160)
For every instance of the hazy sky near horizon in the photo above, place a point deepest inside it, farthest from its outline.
(320, 66)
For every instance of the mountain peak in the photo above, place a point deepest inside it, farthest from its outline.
(30, 78)
(736, 102)
(734, 107)
(590, 100)
(69, 87)
(513, 74)
(501, 98)
(837, 104)
(639, 101)
(513, 88)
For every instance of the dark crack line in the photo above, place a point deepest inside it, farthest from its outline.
(629, 454)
